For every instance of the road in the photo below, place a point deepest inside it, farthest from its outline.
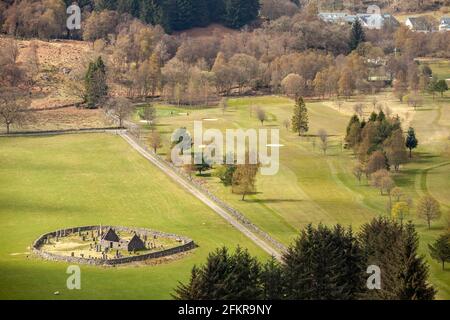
(199, 195)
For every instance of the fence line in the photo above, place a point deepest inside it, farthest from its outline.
(134, 133)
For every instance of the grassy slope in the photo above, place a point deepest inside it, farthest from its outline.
(312, 188)
(53, 182)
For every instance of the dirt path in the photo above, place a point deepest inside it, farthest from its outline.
(206, 200)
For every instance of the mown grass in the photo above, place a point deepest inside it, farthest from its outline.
(48, 183)
(313, 188)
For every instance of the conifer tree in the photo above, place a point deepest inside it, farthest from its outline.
(357, 35)
(223, 277)
(414, 270)
(216, 9)
(238, 13)
(242, 281)
(404, 274)
(440, 249)
(200, 13)
(324, 263)
(102, 4)
(411, 141)
(95, 83)
(300, 118)
(129, 6)
(272, 280)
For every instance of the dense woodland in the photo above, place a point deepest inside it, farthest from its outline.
(294, 55)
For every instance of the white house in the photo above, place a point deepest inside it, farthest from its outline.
(444, 24)
(419, 24)
(368, 20)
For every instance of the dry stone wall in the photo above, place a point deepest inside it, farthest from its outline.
(187, 244)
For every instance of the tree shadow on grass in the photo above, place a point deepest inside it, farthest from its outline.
(406, 177)
(423, 158)
(273, 200)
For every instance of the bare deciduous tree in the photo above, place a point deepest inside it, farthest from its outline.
(323, 136)
(359, 109)
(261, 114)
(149, 115)
(120, 108)
(14, 107)
(155, 140)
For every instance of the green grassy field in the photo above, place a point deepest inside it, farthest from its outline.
(313, 188)
(440, 67)
(48, 183)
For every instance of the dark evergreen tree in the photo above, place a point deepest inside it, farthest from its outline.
(272, 280)
(191, 290)
(200, 12)
(373, 117)
(411, 141)
(374, 237)
(243, 280)
(357, 35)
(351, 264)
(95, 83)
(129, 6)
(393, 248)
(105, 5)
(297, 281)
(216, 9)
(150, 11)
(440, 249)
(354, 119)
(414, 270)
(324, 263)
(238, 13)
(167, 14)
(183, 16)
(224, 276)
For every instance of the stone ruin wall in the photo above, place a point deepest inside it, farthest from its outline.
(187, 245)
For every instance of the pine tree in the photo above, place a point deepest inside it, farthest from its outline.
(404, 273)
(373, 238)
(191, 290)
(414, 275)
(357, 35)
(95, 83)
(411, 141)
(353, 130)
(183, 16)
(129, 6)
(324, 263)
(216, 9)
(200, 12)
(150, 11)
(272, 280)
(298, 284)
(440, 249)
(242, 281)
(350, 264)
(238, 13)
(223, 277)
(102, 4)
(300, 118)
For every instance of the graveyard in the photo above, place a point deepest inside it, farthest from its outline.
(100, 245)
